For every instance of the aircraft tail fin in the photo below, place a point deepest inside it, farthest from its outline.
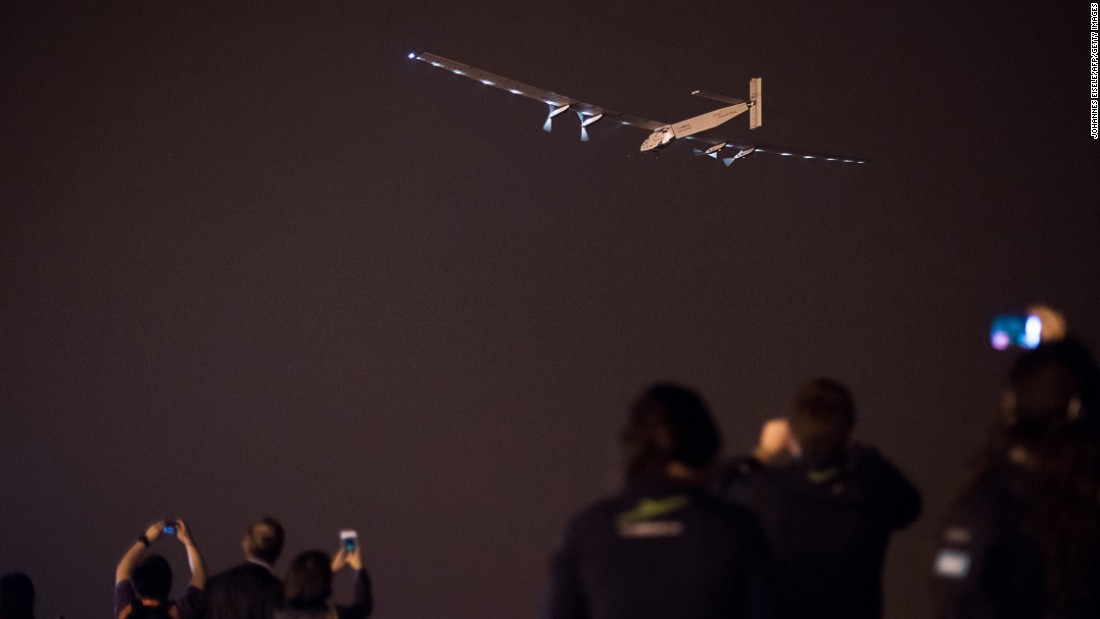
(756, 98)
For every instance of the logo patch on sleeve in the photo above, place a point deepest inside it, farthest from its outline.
(953, 564)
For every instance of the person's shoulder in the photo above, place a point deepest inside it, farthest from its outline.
(748, 480)
(595, 512)
(125, 597)
(244, 572)
(190, 605)
(861, 457)
(645, 495)
(739, 470)
(735, 514)
(226, 576)
(191, 597)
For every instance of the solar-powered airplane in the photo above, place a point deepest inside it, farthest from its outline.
(661, 134)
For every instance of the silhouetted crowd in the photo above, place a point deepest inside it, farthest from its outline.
(798, 529)
(249, 591)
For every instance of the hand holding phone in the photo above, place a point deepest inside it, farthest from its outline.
(169, 527)
(349, 540)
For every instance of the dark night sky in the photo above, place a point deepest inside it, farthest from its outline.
(255, 261)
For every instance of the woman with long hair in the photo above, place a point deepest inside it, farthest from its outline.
(308, 587)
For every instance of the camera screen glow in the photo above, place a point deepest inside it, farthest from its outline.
(1015, 330)
(1032, 329)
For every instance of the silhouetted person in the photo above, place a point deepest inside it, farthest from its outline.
(827, 504)
(16, 597)
(308, 587)
(251, 590)
(1023, 540)
(142, 587)
(664, 547)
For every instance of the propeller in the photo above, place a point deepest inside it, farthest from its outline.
(584, 131)
(554, 111)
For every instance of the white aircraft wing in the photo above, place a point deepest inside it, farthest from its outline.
(533, 92)
(719, 146)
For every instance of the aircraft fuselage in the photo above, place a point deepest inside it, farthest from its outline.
(663, 136)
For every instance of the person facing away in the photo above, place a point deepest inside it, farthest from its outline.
(308, 587)
(663, 547)
(827, 504)
(1023, 539)
(250, 590)
(142, 587)
(16, 596)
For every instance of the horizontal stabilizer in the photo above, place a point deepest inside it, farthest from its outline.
(717, 97)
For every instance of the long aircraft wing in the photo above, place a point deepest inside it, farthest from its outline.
(745, 148)
(532, 92)
(742, 149)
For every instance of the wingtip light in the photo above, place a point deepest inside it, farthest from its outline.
(412, 55)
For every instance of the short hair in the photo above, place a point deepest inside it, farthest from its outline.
(669, 423)
(265, 540)
(152, 578)
(822, 416)
(309, 580)
(16, 596)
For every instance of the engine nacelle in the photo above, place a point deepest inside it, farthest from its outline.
(558, 110)
(713, 150)
(591, 120)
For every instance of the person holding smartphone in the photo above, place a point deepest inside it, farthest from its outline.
(1023, 537)
(828, 504)
(142, 587)
(308, 584)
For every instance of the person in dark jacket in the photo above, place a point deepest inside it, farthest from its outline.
(16, 596)
(251, 590)
(827, 504)
(308, 587)
(663, 547)
(1023, 539)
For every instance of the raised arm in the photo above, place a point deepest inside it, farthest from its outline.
(126, 565)
(194, 559)
(364, 599)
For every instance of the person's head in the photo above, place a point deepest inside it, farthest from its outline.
(152, 578)
(264, 541)
(669, 424)
(309, 580)
(1052, 393)
(16, 597)
(822, 417)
